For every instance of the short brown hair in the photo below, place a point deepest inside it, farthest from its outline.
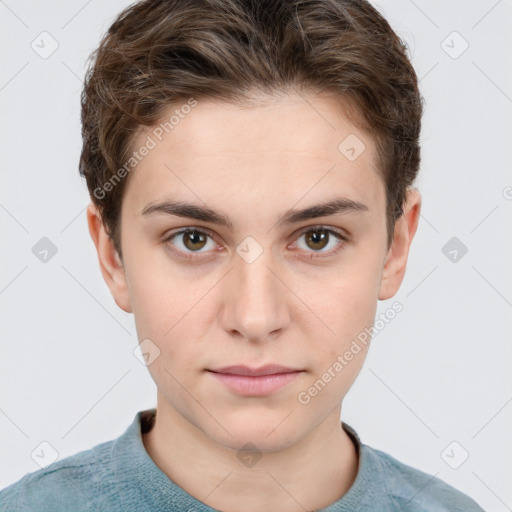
(161, 52)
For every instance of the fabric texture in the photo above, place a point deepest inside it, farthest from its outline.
(119, 475)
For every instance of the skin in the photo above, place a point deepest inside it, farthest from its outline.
(298, 304)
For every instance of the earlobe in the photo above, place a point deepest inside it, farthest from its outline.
(111, 266)
(396, 258)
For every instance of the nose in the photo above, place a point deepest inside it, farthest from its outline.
(255, 306)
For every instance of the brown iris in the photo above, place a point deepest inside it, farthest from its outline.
(194, 240)
(318, 237)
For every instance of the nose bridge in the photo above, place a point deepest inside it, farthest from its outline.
(255, 304)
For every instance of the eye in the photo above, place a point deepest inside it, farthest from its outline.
(321, 240)
(190, 240)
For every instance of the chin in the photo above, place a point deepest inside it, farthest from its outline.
(269, 433)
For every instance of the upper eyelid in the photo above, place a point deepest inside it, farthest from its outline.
(181, 231)
(340, 234)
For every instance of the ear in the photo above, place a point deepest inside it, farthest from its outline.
(396, 258)
(111, 265)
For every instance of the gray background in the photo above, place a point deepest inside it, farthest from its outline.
(437, 383)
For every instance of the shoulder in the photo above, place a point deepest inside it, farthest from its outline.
(76, 482)
(413, 490)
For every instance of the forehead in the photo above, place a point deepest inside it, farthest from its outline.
(277, 151)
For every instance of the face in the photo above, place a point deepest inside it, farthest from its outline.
(261, 277)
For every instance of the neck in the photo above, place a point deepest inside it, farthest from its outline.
(310, 474)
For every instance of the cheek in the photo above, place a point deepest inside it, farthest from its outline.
(161, 294)
(170, 319)
(173, 311)
(346, 304)
(337, 359)
(155, 307)
(345, 301)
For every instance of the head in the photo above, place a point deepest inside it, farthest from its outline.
(285, 135)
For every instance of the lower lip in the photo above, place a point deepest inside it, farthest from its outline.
(255, 386)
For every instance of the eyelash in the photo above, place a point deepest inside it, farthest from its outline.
(195, 256)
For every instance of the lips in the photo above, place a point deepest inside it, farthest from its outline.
(246, 371)
(255, 382)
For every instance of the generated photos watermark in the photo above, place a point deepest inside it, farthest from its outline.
(360, 341)
(151, 142)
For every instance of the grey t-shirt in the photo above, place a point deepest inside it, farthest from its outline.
(119, 475)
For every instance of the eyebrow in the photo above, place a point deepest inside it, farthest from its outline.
(339, 205)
